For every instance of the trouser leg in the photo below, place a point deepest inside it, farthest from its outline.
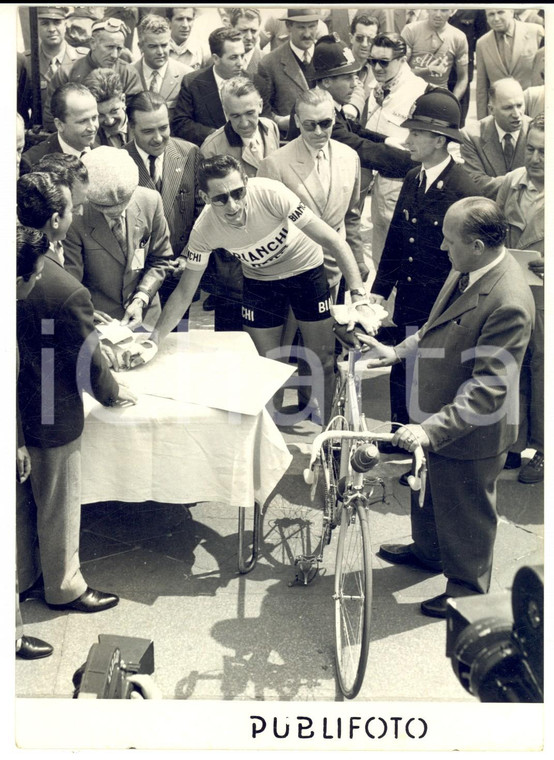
(56, 481)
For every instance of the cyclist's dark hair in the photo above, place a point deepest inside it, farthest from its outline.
(217, 167)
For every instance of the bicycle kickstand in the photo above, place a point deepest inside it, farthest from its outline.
(308, 566)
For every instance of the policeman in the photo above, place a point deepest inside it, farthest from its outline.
(53, 50)
(412, 260)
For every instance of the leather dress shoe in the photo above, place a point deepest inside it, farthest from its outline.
(90, 601)
(403, 554)
(436, 607)
(33, 649)
(36, 591)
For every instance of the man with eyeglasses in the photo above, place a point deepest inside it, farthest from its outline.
(393, 94)
(106, 46)
(324, 174)
(279, 242)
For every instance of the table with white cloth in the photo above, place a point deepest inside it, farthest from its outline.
(172, 451)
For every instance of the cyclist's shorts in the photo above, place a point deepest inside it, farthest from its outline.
(266, 303)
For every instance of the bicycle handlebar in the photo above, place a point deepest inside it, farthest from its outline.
(416, 481)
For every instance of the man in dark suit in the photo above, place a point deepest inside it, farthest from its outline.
(288, 70)
(198, 110)
(495, 145)
(119, 248)
(248, 22)
(106, 46)
(60, 359)
(464, 406)
(412, 259)
(168, 165)
(76, 120)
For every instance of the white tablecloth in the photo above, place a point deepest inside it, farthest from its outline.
(174, 452)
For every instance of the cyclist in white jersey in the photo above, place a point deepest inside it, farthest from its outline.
(279, 243)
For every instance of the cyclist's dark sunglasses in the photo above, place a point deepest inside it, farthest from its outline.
(237, 195)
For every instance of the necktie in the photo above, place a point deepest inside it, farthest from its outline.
(322, 169)
(156, 180)
(118, 229)
(504, 50)
(420, 193)
(461, 285)
(155, 82)
(255, 149)
(463, 282)
(52, 68)
(508, 150)
(306, 57)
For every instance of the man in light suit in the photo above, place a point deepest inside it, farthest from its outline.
(289, 70)
(248, 21)
(158, 72)
(247, 135)
(463, 412)
(331, 191)
(119, 248)
(76, 120)
(487, 157)
(508, 50)
(60, 359)
(521, 198)
(174, 174)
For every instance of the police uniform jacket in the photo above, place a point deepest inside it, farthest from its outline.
(412, 259)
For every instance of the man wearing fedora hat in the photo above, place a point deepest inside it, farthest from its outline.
(106, 45)
(288, 70)
(412, 259)
(53, 51)
(336, 71)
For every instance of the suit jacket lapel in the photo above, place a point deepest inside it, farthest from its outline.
(172, 176)
(211, 95)
(101, 232)
(304, 166)
(492, 148)
(145, 180)
(170, 81)
(292, 68)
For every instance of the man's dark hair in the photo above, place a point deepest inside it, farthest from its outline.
(146, 101)
(68, 168)
(217, 167)
(39, 196)
(31, 245)
(536, 123)
(363, 18)
(219, 37)
(104, 84)
(393, 41)
(58, 102)
(483, 220)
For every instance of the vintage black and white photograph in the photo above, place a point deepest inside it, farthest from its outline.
(279, 341)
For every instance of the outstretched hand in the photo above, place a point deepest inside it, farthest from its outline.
(379, 354)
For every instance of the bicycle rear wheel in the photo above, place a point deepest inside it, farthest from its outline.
(353, 595)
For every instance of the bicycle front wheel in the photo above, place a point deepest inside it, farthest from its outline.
(353, 595)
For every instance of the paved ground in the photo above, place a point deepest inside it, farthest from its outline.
(220, 635)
